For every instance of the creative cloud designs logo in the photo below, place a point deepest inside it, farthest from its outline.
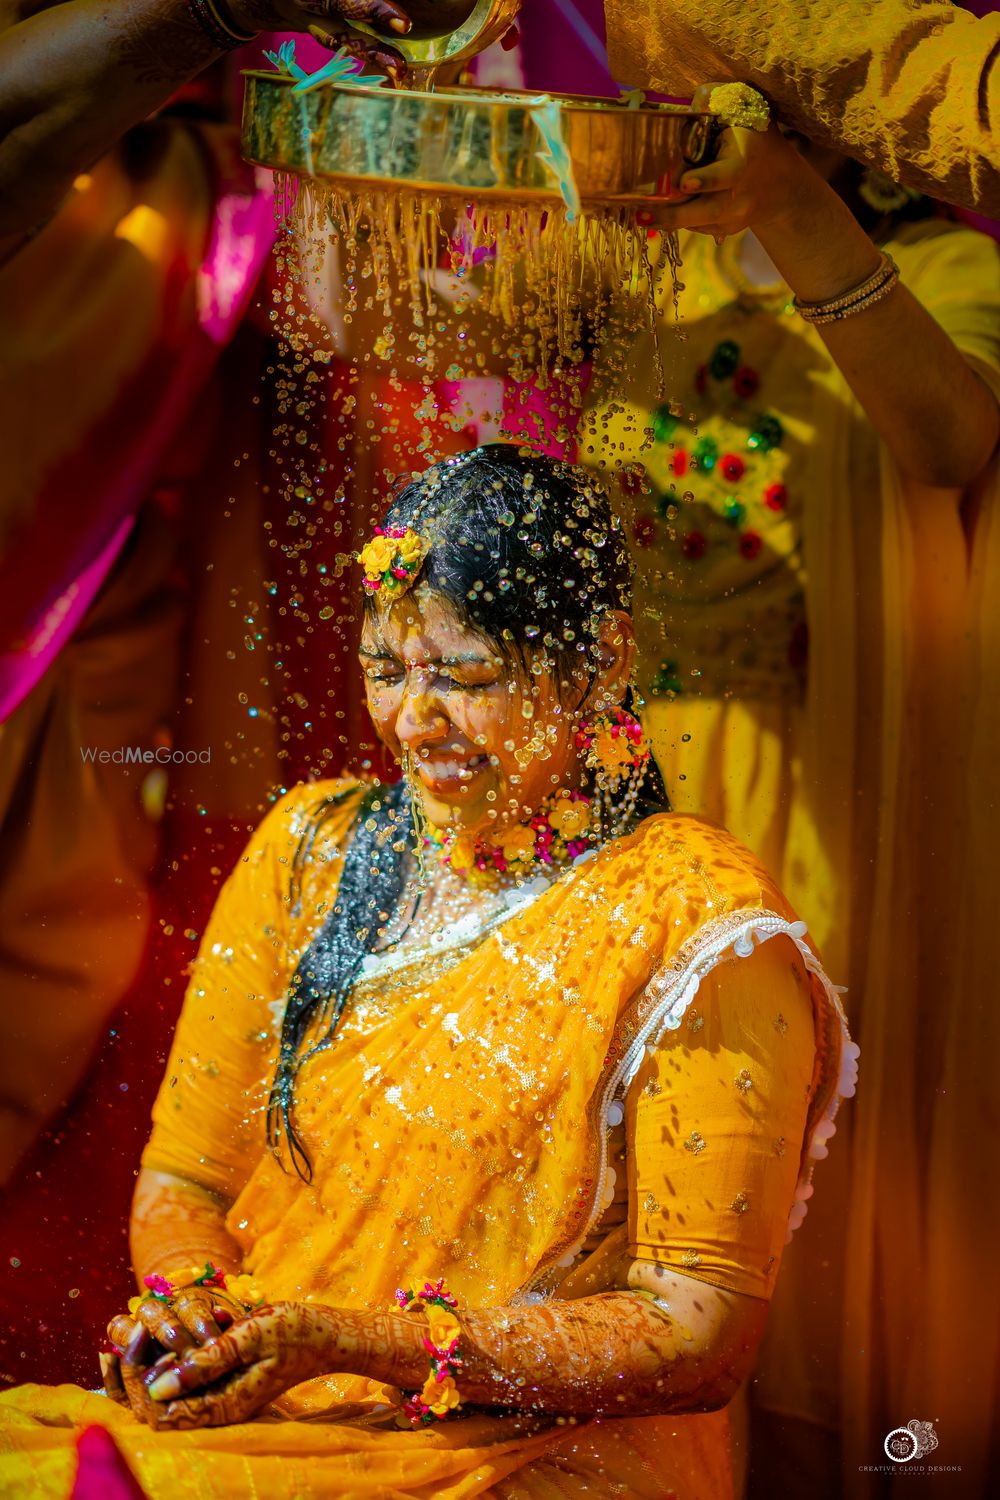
(915, 1440)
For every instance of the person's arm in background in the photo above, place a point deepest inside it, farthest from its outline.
(76, 76)
(937, 416)
(912, 86)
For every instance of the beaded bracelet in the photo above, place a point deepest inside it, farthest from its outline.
(217, 25)
(440, 1394)
(878, 286)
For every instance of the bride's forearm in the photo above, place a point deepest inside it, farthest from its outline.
(601, 1355)
(176, 1223)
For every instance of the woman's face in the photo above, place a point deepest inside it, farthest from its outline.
(486, 744)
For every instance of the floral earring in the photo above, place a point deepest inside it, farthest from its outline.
(613, 746)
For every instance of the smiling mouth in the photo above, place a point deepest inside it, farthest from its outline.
(447, 772)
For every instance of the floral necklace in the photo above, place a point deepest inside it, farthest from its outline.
(560, 831)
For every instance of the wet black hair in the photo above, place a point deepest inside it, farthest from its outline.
(526, 550)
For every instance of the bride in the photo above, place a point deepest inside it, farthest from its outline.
(496, 1092)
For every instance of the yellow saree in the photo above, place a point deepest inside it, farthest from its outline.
(643, 1056)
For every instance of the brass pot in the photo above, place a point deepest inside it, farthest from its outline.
(449, 31)
(471, 143)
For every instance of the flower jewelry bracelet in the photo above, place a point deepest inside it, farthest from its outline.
(440, 1394)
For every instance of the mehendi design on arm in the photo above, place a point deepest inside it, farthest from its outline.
(175, 1223)
(607, 1355)
(158, 42)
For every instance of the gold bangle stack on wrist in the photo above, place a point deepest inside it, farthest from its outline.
(860, 297)
(217, 24)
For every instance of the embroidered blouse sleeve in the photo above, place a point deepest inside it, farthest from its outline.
(715, 1120)
(913, 85)
(208, 1117)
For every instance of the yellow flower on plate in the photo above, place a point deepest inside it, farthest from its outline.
(440, 1395)
(570, 818)
(518, 844)
(410, 548)
(462, 855)
(613, 751)
(443, 1327)
(377, 556)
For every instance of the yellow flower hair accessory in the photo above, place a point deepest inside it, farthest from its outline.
(739, 104)
(392, 559)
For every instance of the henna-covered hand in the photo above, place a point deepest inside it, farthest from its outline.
(194, 1315)
(235, 1375)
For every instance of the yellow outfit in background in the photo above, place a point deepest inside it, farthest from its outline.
(912, 86)
(654, 1016)
(816, 667)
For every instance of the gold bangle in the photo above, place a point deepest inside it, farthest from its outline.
(882, 280)
(225, 20)
(217, 25)
(843, 304)
(859, 305)
(885, 264)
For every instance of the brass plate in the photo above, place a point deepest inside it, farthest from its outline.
(471, 143)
